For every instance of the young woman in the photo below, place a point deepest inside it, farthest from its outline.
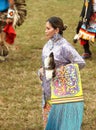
(61, 116)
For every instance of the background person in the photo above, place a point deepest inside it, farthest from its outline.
(12, 14)
(6, 17)
(86, 29)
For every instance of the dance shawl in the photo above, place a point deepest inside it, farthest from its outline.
(66, 86)
(86, 28)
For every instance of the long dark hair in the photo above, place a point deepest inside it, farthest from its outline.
(57, 22)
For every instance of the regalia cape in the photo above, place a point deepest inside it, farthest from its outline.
(20, 12)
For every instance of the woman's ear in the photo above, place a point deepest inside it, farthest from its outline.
(57, 30)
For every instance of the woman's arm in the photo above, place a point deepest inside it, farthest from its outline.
(11, 2)
(41, 73)
(73, 56)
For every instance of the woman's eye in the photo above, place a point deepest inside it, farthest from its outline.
(48, 28)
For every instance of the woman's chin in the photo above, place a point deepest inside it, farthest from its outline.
(47, 37)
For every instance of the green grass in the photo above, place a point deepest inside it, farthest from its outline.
(20, 90)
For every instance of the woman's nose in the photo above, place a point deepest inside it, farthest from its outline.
(45, 31)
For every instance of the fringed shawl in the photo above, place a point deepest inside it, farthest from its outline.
(21, 11)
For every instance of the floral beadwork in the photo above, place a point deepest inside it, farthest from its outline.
(66, 81)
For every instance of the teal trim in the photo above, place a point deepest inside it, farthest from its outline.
(89, 29)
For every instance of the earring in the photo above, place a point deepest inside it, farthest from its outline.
(56, 35)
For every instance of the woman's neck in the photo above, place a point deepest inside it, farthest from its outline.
(56, 37)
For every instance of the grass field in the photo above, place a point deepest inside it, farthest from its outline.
(20, 91)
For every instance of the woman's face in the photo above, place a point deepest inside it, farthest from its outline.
(50, 31)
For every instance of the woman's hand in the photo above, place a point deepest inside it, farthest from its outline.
(41, 73)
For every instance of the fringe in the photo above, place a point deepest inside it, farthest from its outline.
(21, 11)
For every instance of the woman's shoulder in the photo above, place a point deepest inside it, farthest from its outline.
(65, 43)
(67, 46)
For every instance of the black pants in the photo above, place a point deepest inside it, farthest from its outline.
(87, 48)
